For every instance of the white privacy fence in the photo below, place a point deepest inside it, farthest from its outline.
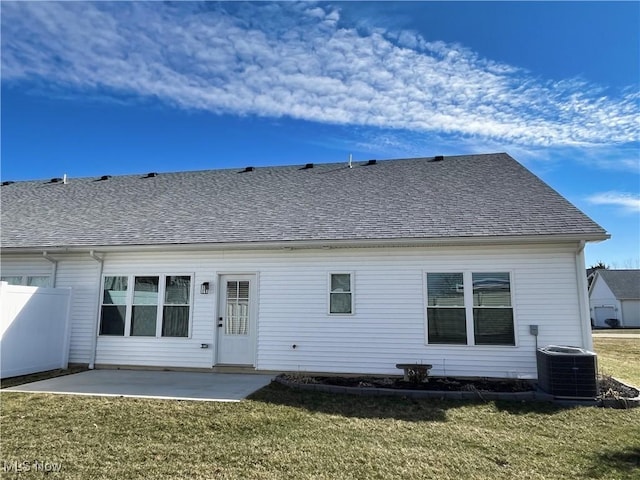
(34, 329)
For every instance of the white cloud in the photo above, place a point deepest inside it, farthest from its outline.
(628, 201)
(297, 60)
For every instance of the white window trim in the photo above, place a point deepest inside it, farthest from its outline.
(160, 305)
(467, 276)
(351, 291)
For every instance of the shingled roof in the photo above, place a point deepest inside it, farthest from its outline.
(469, 196)
(625, 284)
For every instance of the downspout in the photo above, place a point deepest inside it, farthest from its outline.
(583, 298)
(94, 336)
(54, 272)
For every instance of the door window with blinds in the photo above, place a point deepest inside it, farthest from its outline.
(237, 308)
(146, 306)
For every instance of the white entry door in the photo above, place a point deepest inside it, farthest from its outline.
(236, 320)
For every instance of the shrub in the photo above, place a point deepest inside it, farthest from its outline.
(612, 322)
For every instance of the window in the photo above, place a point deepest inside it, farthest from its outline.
(176, 306)
(445, 308)
(237, 308)
(114, 306)
(144, 311)
(340, 293)
(146, 306)
(492, 311)
(29, 280)
(470, 309)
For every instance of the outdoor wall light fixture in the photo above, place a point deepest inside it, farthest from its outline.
(204, 288)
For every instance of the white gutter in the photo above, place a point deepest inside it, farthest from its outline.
(583, 298)
(94, 336)
(54, 268)
(307, 244)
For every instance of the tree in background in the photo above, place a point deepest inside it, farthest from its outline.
(591, 271)
(598, 266)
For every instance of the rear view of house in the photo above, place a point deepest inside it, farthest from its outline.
(466, 263)
(614, 298)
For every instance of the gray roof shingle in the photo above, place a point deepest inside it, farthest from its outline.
(625, 284)
(461, 196)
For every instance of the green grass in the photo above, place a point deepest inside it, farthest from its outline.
(282, 433)
(287, 434)
(619, 357)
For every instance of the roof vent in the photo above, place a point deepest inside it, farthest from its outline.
(438, 158)
(249, 169)
(150, 175)
(308, 166)
(107, 177)
(56, 180)
(370, 162)
(7, 182)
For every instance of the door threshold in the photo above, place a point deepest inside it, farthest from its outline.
(234, 369)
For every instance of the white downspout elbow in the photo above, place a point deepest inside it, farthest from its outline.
(54, 269)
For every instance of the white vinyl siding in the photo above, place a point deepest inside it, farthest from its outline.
(388, 321)
(82, 274)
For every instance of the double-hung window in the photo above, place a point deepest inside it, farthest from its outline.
(144, 309)
(446, 313)
(469, 308)
(340, 293)
(492, 310)
(146, 306)
(114, 305)
(177, 301)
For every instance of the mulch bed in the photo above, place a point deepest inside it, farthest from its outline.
(609, 387)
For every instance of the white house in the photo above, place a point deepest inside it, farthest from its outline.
(615, 294)
(453, 261)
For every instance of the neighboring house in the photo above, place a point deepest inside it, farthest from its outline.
(316, 268)
(615, 295)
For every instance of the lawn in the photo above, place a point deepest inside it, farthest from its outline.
(619, 357)
(288, 434)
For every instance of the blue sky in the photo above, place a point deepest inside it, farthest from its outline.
(114, 88)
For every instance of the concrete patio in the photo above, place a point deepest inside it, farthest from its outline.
(201, 386)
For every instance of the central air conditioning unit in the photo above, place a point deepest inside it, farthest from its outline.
(568, 372)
